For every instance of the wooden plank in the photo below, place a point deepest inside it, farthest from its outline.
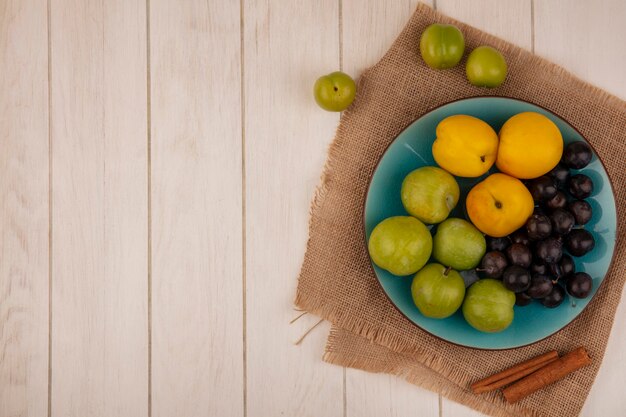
(374, 395)
(369, 29)
(574, 35)
(452, 409)
(510, 20)
(587, 39)
(24, 211)
(99, 194)
(287, 45)
(379, 23)
(197, 347)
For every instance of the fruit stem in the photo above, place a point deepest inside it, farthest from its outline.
(447, 271)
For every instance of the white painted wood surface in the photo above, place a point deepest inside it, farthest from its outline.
(184, 149)
(99, 315)
(24, 205)
(196, 207)
(285, 139)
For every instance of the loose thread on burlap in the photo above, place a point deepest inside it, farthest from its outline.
(297, 342)
(299, 315)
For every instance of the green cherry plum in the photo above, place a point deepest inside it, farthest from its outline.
(429, 193)
(458, 244)
(401, 245)
(488, 306)
(437, 291)
(442, 46)
(486, 67)
(335, 91)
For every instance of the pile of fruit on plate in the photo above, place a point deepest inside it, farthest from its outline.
(524, 221)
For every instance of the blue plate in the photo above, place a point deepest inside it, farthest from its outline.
(411, 150)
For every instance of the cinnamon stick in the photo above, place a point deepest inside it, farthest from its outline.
(546, 375)
(513, 373)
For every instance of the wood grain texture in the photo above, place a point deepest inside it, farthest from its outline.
(99, 208)
(452, 409)
(585, 38)
(589, 41)
(508, 19)
(378, 395)
(369, 28)
(197, 348)
(287, 45)
(23, 209)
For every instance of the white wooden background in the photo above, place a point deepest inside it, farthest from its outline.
(157, 162)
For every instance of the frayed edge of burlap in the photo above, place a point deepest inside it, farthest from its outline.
(454, 376)
(384, 338)
(333, 149)
(457, 394)
(326, 176)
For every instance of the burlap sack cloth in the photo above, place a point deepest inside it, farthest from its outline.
(337, 281)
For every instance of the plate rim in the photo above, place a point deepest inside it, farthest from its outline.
(367, 193)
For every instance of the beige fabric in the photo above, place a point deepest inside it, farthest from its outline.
(337, 282)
